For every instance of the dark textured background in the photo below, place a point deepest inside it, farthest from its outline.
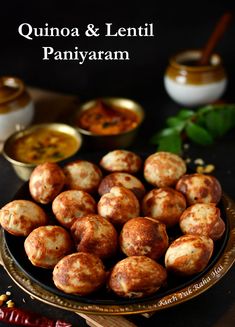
(178, 25)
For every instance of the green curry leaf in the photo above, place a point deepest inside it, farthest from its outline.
(185, 114)
(176, 123)
(171, 143)
(162, 134)
(218, 121)
(201, 126)
(198, 134)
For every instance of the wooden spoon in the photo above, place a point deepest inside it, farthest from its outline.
(214, 38)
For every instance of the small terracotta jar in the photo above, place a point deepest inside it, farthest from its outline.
(16, 106)
(189, 84)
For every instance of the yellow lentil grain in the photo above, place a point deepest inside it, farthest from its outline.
(10, 304)
(3, 297)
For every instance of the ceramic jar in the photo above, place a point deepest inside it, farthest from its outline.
(189, 84)
(16, 106)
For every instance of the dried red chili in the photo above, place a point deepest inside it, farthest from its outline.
(14, 316)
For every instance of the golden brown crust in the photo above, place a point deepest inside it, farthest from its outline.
(82, 175)
(202, 219)
(46, 245)
(137, 276)
(141, 238)
(20, 217)
(189, 254)
(71, 205)
(96, 235)
(122, 179)
(118, 206)
(121, 161)
(164, 204)
(199, 188)
(79, 273)
(144, 236)
(46, 182)
(163, 169)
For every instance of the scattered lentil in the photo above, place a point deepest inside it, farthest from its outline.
(4, 297)
(10, 304)
(206, 169)
(199, 161)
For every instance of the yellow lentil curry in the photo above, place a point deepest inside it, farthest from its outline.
(104, 119)
(43, 145)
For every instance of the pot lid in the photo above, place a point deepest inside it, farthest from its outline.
(10, 88)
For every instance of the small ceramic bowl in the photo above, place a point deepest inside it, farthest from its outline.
(192, 85)
(110, 137)
(23, 167)
(16, 106)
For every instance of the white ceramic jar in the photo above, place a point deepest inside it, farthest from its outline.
(189, 84)
(16, 106)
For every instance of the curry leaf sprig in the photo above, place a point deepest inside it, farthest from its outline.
(201, 126)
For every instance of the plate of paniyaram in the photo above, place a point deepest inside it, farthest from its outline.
(118, 233)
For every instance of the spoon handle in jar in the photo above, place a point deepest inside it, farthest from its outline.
(214, 38)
